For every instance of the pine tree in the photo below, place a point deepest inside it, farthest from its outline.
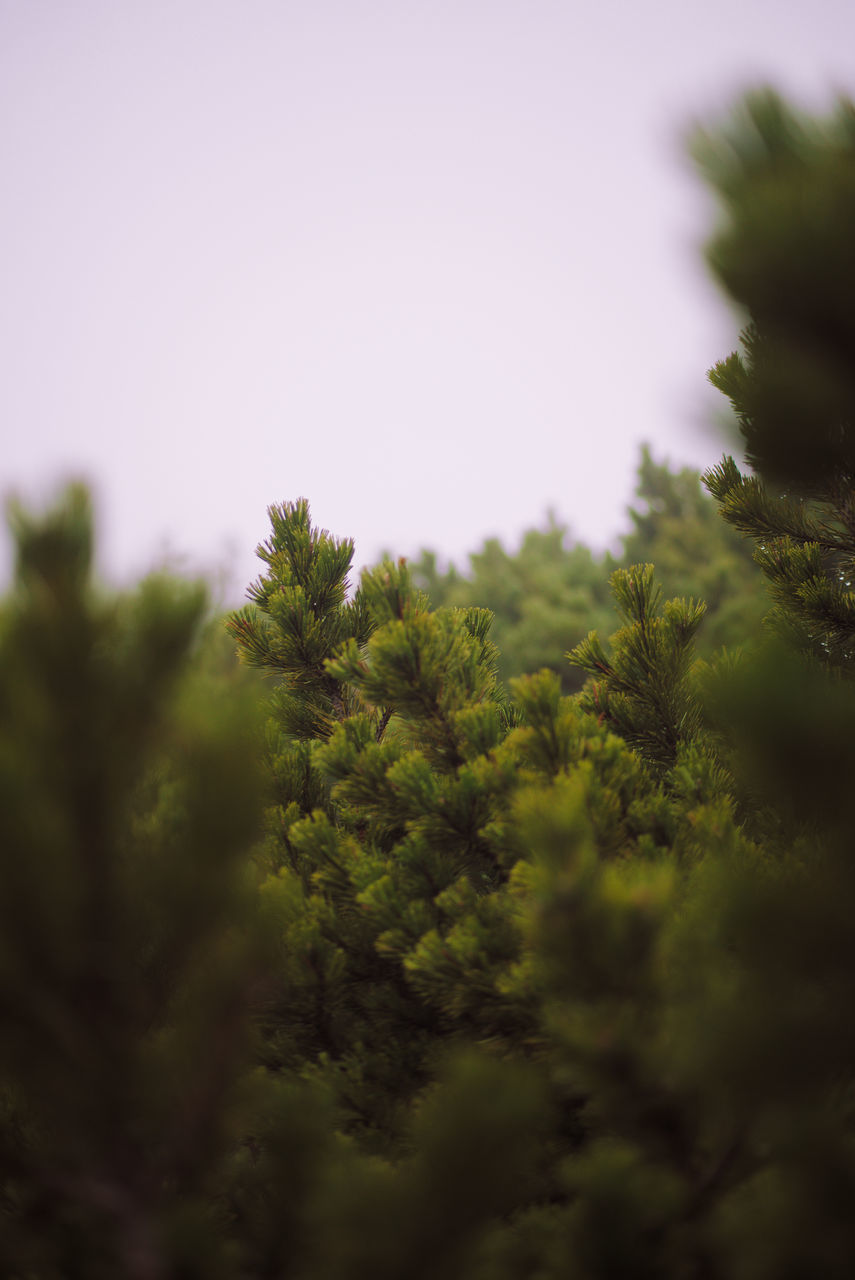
(643, 690)
(547, 596)
(129, 802)
(543, 597)
(145, 1129)
(503, 876)
(785, 256)
(676, 526)
(381, 851)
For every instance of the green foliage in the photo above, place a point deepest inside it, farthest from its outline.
(128, 802)
(542, 598)
(676, 527)
(643, 690)
(606, 890)
(583, 905)
(548, 596)
(298, 617)
(426, 974)
(806, 553)
(785, 254)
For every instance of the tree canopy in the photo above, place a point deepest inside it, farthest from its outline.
(551, 592)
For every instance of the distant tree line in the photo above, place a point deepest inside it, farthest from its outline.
(548, 595)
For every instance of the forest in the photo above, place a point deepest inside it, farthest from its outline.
(492, 923)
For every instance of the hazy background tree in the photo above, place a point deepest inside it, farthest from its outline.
(551, 592)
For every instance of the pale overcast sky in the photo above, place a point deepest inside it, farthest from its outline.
(432, 265)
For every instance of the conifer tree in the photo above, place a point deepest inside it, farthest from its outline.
(785, 256)
(129, 802)
(643, 690)
(380, 843)
(548, 596)
(425, 904)
(138, 1136)
(543, 597)
(676, 526)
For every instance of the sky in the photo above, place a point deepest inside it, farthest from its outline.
(434, 265)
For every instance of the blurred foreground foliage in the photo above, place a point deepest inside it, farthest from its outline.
(412, 972)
